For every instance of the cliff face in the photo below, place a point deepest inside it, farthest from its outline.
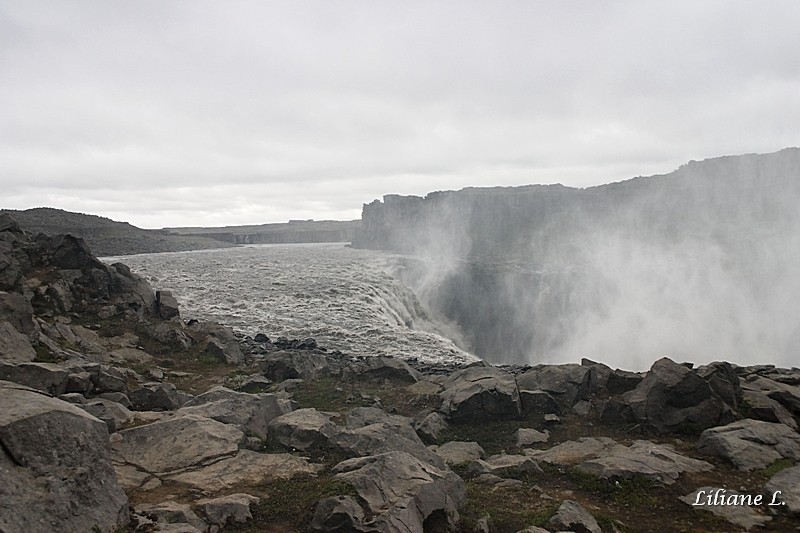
(548, 271)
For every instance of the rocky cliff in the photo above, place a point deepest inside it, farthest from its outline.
(551, 272)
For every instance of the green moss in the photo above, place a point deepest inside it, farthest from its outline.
(777, 466)
(511, 509)
(494, 437)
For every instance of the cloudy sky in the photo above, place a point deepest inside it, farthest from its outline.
(191, 112)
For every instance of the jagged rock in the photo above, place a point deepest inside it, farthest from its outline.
(381, 367)
(743, 516)
(762, 407)
(80, 382)
(426, 386)
(17, 311)
(479, 394)
(456, 452)
(338, 513)
(155, 397)
(175, 443)
(109, 380)
(254, 384)
(46, 377)
(360, 417)
(249, 412)
(55, 466)
(284, 365)
(724, 381)
(246, 468)
(14, 346)
(113, 414)
(786, 481)
(382, 437)
(230, 508)
(572, 516)
(431, 427)
(786, 395)
(622, 381)
(401, 492)
(173, 513)
(528, 436)
(167, 305)
(750, 444)
(603, 457)
(303, 429)
(538, 402)
(504, 465)
(670, 398)
(565, 383)
(643, 458)
(485, 525)
(117, 397)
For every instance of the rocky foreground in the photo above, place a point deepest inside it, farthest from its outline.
(116, 415)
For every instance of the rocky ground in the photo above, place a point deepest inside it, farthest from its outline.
(119, 415)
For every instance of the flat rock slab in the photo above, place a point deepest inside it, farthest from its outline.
(788, 483)
(230, 508)
(246, 468)
(505, 466)
(741, 515)
(457, 452)
(572, 516)
(176, 443)
(605, 458)
(751, 444)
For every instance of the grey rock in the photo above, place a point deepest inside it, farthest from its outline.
(724, 382)
(176, 443)
(572, 516)
(221, 343)
(108, 379)
(504, 465)
(230, 508)
(14, 346)
(113, 414)
(167, 305)
(172, 513)
(622, 381)
(338, 513)
(46, 377)
(742, 515)
(381, 367)
(249, 412)
(254, 384)
(55, 466)
(382, 437)
(750, 444)
(431, 427)
(538, 402)
(762, 407)
(155, 397)
(485, 525)
(786, 481)
(303, 429)
(360, 417)
(785, 394)
(401, 492)
(477, 394)
(117, 397)
(456, 452)
(17, 311)
(528, 436)
(565, 383)
(282, 365)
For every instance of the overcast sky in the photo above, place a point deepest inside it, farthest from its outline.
(169, 113)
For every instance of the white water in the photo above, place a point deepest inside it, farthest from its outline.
(342, 297)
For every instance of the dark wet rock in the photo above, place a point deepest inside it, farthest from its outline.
(743, 516)
(46, 377)
(786, 481)
(572, 516)
(538, 403)
(167, 305)
(565, 383)
(282, 365)
(254, 384)
(671, 398)
(751, 444)
(249, 412)
(724, 382)
(431, 427)
(762, 407)
(382, 367)
(401, 492)
(55, 466)
(155, 397)
(176, 443)
(228, 509)
(622, 381)
(786, 395)
(479, 394)
(109, 380)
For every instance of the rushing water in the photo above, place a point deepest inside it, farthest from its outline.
(342, 297)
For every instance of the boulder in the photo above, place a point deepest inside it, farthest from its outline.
(622, 381)
(365, 416)
(572, 516)
(431, 427)
(762, 407)
(382, 437)
(176, 443)
(245, 468)
(456, 452)
(249, 412)
(55, 465)
(783, 393)
(381, 367)
(172, 513)
(282, 365)
(46, 377)
(230, 508)
(14, 346)
(219, 342)
(155, 397)
(724, 382)
(113, 414)
(528, 436)
(538, 403)
(401, 492)
(303, 429)
(167, 305)
(18, 312)
(479, 394)
(786, 481)
(504, 465)
(670, 398)
(338, 513)
(750, 444)
(565, 383)
(743, 516)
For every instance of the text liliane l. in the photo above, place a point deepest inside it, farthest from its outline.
(720, 497)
